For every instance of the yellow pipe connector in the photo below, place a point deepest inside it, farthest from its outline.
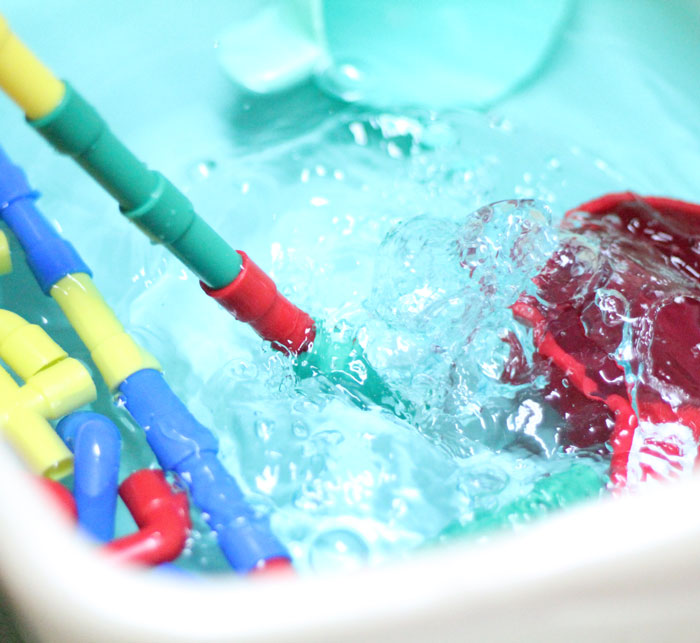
(54, 385)
(115, 353)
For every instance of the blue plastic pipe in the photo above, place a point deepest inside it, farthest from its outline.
(183, 445)
(178, 440)
(49, 256)
(96, 443)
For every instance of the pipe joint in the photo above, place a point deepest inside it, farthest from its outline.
(162, 516)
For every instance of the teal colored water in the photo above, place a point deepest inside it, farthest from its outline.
(362, 215)
(368, 221)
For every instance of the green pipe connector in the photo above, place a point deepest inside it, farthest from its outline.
(145, 196)
(160, 210)
(551, 493)
(339, 357)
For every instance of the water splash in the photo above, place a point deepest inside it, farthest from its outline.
(332, 213)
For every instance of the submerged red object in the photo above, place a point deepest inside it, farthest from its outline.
(616, 323)
(161, 515)
(61, 496)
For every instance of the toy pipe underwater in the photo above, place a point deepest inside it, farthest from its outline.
(5, 258)
(62, 498)
(159, 209)
(162, 516)
(178, 440)
(54, 385)
(550, 493)
(95, 442)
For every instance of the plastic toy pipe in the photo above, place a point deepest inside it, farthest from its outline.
(162, 517)
(156, 206)
(95, 443)
(55, 384)
(146, 197)
(61, 496)
(5, 257)
(185, 446)
(178, 440)
(553, 492)
(51, 260)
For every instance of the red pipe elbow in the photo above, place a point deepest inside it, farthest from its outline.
(62, 497)
(162, 516)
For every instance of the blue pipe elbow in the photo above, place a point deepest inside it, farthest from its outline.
(49, 256)
(185, 446)
(96, 443)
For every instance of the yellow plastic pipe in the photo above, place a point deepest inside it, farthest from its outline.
(8, 387)
(31, 435)
(25, 347)
(5, 258)
(115, 353)
(25, 78)
(37, 443)
(58, 389)
(55, 385)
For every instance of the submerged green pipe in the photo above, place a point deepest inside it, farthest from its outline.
(338, 355)
(550, 493)
(145, 196)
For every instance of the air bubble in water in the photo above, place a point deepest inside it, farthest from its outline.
(202, 170)
(338, 549)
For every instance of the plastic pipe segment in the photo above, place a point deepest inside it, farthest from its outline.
(115, 353)
(161, 515)
(145, 196)
(61, 496)
(95, 442)
(185, 446)
(28, 82)
(553, 492)
(55, 384)
(5, 257)
(252, 297)
(73, 127)
(61, 272)
(179, 442)
(49, 257)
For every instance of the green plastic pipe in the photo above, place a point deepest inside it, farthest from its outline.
(550, 493)
(160, 210)
(145, 196)
(339, 357)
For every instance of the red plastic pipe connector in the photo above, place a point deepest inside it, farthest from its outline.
(162, 516)
(273, 566)
(63, 498)
(253, 298)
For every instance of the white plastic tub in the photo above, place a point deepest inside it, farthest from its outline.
(624, 570)
(623, 80)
